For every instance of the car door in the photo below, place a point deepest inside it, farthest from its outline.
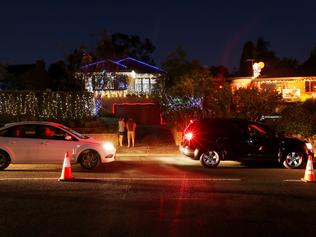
(262, 143)
(53, 143)
(21, 141)
(235, 139)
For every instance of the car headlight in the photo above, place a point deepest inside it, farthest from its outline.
(108, 146)
(309, 146)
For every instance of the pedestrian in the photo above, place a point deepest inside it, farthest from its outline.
(121, 130)
(131, 127)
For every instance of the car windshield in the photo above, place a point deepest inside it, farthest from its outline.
(81, 136)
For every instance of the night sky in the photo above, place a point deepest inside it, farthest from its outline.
(212, 32)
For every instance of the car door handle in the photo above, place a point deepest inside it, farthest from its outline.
(13, 142)
(44, 143)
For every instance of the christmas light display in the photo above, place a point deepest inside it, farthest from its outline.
(46, 105)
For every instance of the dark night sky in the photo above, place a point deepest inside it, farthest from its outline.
(213, 32)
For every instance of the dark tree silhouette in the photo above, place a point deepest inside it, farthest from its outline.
(309, 66)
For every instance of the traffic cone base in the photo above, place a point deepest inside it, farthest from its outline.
(66, 174)
(309, 176)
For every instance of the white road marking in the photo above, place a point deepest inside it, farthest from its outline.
(292, 180)
(130, 179)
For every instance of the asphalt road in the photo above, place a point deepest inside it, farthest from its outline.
(157, 196)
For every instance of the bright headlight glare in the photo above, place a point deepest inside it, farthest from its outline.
(309, 146)
(108, 146)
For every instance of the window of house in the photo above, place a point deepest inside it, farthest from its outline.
(310, 86)
(313, 86)
(146, 85)
(138, 85)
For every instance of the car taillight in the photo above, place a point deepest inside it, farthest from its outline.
(188, 136)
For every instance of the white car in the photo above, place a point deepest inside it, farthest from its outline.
(47, 142)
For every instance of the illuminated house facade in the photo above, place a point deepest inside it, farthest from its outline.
(125, 86)
(291, 88)
(120, 78)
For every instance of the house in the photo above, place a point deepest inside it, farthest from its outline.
(127, 76)
(292, 89)
(125, 87)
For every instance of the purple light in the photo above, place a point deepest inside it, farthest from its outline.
(140, 62)
(92, 64)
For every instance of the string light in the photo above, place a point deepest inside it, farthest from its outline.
(47, 105)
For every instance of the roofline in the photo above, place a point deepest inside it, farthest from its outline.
(119, 64)
(92, 64)
(138, 61)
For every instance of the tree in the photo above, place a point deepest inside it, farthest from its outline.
(76, 58)
(296, 119)
(105, 48)
(248, 54)
(63, 78)
(309, 66)
(251, 103)
(254, 52)
(36, 78)
(119, 45)
(193, 90)
(133, 46)
(7, 80)
(176, 64)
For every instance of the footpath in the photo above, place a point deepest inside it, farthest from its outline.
(151, 140)
(148, 150)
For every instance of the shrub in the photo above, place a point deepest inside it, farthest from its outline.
(296, 119)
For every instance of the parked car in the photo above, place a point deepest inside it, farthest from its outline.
(47, 142)
(213, 140)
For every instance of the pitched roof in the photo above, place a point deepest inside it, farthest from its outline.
(139, 66)
(101, 65)
(125, 65)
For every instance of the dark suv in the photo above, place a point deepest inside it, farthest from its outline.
(213, 140)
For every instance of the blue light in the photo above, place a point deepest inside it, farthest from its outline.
(121, 65)
(140, 62)
(92, 64)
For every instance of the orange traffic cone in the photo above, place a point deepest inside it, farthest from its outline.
(66, 173)
(309, 172)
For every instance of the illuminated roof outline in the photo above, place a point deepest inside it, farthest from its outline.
(125, 64)
(121, 61)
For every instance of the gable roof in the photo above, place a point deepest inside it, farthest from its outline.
(139, 66)
(101, 65)
(123, 65)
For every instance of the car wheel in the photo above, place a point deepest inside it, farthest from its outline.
(4, 160)
(210, 158)
(89, 159)
(293, 160)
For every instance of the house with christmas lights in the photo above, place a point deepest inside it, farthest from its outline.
(292, 89)
(125, 86)
(127, 76)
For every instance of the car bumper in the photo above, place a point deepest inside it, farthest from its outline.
(109, 157)
(187, 151)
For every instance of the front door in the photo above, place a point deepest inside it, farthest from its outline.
(262, 144)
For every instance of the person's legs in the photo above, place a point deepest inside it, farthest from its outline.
(128, 138)
(133, 138)
(121, 139)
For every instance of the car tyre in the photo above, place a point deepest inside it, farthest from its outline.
(89, 159)
(4, 160)
(210, 159)
(293, 159)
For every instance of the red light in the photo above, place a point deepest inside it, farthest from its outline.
(188, 136)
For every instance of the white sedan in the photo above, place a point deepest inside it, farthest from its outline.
(47, 142)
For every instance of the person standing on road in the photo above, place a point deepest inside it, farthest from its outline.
(121, 131)
(131, 127)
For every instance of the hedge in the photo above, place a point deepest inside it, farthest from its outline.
(46, 105)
